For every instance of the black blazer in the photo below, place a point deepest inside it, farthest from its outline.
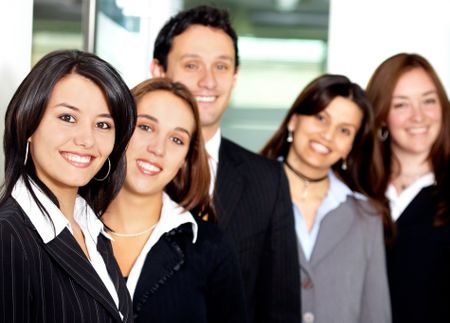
(254, 207)
(53, 282)
(419, 264)
(182, 282)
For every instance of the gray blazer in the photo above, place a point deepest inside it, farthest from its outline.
(345, 280)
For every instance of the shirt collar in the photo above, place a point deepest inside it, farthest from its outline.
(213, 144)
(172, 216)
(50, 227)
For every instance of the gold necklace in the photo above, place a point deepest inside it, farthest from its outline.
(130, 235)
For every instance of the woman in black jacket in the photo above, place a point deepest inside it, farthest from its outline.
(178, 267)
(66, 128)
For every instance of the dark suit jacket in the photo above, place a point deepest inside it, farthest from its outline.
(419, 264)
(182, 282)
(254, 207)
(53, 282)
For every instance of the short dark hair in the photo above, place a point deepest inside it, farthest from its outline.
(200, 15)
(27, 107)
(190, 187)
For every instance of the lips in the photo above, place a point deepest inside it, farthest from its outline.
(77, 160)
(205, 98)
(148, 168)
(319, 148)
(417, 130)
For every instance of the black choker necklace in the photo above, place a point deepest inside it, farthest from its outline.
(304, 177)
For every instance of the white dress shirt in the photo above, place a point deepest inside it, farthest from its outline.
(89, 224)
(399, 202)
(172, 216)
(212, 147)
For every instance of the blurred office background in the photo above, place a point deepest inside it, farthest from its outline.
(283, 44)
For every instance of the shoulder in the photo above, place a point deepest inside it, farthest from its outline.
(11, 213)
(238, 154)
(212, 237)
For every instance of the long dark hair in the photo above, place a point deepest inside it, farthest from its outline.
(27, 107)
(316, 96)
(190, 187)
(379, 90)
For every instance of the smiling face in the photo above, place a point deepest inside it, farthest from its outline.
(160, 143)
(323, 139)
(415, 115)
(75, 136)
(203, 58)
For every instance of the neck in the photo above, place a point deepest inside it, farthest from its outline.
(209, 131)
(66, 198)
(303, 176)
(410, 165)
(132, 213)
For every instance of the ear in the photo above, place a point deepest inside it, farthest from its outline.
(235, 76)
(292, 124)
(156, 69)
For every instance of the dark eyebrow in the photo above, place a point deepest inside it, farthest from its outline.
(149, 117)
(74, 108)
(224, 57)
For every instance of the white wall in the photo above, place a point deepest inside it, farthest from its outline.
(15, 54)
(363, 33)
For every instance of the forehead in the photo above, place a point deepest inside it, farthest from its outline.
(344, 110)
(203, 42)
(167, 108)
(414, 82)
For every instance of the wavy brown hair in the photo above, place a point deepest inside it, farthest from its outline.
(379, 91)
(190, 187)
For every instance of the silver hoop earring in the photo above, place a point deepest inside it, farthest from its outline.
(107, 174)
(344, 164)
(383, 133)
(289, 137)
(27, 148)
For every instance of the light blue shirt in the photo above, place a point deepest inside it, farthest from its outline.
(337, 194)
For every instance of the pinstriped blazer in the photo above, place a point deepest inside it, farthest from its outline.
(53, 282)
(253, 206)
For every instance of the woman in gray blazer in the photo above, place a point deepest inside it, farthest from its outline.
(66, 128)
(323, 143)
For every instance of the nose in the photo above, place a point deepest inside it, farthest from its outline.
(417, 112)
(327, 133)
(84, 136)
(157, 146)
(207, 79)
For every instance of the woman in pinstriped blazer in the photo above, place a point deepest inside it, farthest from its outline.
(65, 130)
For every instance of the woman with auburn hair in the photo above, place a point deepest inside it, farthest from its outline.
(66, 128)
(178, 267)
(412, 120)
(324, 143)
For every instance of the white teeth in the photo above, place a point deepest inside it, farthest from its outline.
(148, 167)
(77, 158)
(206, 99)
(417, 131)
(320, 148)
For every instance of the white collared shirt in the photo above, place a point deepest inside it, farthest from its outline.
(212, 147)
(172, 216)
(89, 224)
(336, 195)
(399, 202)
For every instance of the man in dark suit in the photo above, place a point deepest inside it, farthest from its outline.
(198, 47)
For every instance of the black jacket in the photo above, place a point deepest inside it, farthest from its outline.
(182, 282)
(254, 207)
(53, 282)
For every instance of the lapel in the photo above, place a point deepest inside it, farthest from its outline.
(66, 252)
(304, 264)
(105, 249)
(412, 215)
(163, 260)
(333, 229)
(229, 183)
